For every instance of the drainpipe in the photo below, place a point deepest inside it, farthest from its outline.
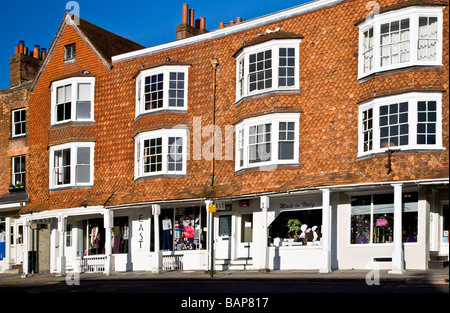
(214, 64)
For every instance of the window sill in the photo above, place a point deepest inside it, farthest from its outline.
(398, 150)
(18, 137)
(265, 168)
(78, 123)
(265, 94)
(365, 77)
(69, 188)
(163, 110)
(160, 176)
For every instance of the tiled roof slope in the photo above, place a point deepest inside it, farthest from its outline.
(106, 42)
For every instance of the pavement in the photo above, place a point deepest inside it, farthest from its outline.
(430, 276)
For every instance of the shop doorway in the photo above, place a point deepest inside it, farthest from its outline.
(245, 238)
(223, 242)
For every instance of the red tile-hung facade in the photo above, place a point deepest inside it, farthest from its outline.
(327, 102)
(330, 99)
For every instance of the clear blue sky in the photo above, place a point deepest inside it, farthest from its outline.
(147, 22)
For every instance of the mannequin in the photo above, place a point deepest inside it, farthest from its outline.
(167, 231)
(95, 238)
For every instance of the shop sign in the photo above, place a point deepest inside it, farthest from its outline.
(141, 232)
(300, 204)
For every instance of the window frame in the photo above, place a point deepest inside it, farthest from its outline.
(73, 52)
(73, 83)
(164, 134)
(274, 119)
(73, 146)
(165, 70)
(413, 14)
(413, 98)
(14, 123)
(24, 173)
(372, 213)
(242, 69)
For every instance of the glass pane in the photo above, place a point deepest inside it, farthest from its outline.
(84, 92)
(84, 110)
(83, 155)
(83, 173)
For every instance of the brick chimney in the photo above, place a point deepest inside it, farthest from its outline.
(23, 65)
(189, 25)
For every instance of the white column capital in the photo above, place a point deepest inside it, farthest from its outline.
(156, 209)
(264, 202)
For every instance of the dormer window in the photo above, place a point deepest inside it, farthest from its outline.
(272, 65)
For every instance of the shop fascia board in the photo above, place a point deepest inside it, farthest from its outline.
(309, 190)
(89, 210)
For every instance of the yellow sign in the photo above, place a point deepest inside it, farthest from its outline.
(212, 208)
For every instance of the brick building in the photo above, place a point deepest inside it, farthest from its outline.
(24, 64)
(329, 147)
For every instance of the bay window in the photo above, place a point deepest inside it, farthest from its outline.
(72, 100)
(72, 165)
(162, 88)
(267, 140)
(409, 121)
(269, 66)
(406, 37)
(160, 152)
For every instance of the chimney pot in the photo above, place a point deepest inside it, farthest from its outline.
(185, 19)
(36, 51)
(221, 25)
(16, 49)
(21, 46)
(43, 53)
(191, 17)
(238, 20)
(232, 22)
(25, 50)
(197, 23)
(202, 23)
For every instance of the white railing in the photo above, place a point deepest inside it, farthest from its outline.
(93, 264)
(172, 262)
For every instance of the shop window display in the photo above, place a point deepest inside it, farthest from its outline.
(182, 229)
(296, 228)
(372, 218)
(120, 235)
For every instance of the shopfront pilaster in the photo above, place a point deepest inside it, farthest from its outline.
(398, 266)
(61, 260)
(26, 236)
(156, 211)
(264, 205)
(108, 220)
(325, 255)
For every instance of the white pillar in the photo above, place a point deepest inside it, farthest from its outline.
(209, 217)
(156, 210)
(325, 255)
(264, 205)
(26, 235)
(61, 260)
(7, 259)
(397, 253)
(108, 221)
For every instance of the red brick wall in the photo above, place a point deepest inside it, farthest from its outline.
(328, 102)
(11, 99)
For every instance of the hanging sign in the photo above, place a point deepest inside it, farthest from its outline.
(212, 208)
